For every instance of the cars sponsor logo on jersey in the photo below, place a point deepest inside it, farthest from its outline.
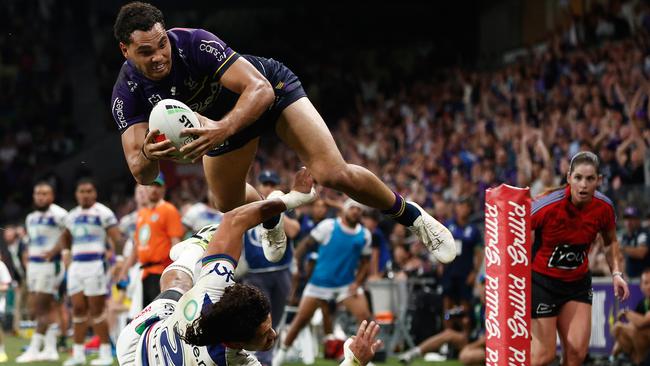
(118, 112)
(213, 47)
(568, 256)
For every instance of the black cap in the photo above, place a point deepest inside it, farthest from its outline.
(631, 212)
(269, 176)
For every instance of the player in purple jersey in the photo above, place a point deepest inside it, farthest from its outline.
(236, 98)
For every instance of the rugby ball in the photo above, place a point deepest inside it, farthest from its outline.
(170, 117)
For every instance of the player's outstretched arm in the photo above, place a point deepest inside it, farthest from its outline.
(228, 238)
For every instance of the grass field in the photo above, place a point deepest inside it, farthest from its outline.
(14, 347)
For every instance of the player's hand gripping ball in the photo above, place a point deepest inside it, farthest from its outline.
(170, 117)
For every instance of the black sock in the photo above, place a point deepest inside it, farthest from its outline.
(402, 211)
(270, 223)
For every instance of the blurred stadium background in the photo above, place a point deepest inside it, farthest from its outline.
(440, 99)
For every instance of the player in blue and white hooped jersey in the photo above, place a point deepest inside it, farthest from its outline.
(201, 214)
(89, 226)
(44, 227)
(206, 318)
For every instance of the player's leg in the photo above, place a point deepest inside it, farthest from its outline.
(46, 324)
(96, 287)
(542, 347)
(357, 305)
(31, 354)
(623, 335)
(433, 343)
(306, 309)
(80, 327)
(228, 237)
(473, 353)
(3, 353)
(226, 177)
(97, 311)
(574, 329)
(42, 304)
(302, 128)
(641, 344)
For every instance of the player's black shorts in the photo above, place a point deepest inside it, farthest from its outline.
(287, 88)
(549, 294)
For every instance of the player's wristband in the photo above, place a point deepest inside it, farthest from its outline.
(619, 274)
(295, 199)
(350, 359)
(144, 154)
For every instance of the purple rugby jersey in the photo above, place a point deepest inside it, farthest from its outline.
(199, 59)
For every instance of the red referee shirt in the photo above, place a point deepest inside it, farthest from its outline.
(564, 233)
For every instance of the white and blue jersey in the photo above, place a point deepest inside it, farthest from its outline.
(200, 215)
(43, 230)
(153, 337)
(254, 254)
(339, 253)
(88, 228)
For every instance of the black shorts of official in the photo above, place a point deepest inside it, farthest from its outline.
(287, 88)
(550, 294)
(150, 288)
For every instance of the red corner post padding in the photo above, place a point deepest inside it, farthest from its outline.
(507, 282)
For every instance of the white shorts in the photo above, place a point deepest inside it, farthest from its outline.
(89, 277)
(330, 293)
(44, 277)
(128, 340)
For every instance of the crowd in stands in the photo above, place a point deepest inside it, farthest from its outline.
(36, 106)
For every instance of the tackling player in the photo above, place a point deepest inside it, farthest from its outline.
(566, 222)
(208, 319)
(242, 97)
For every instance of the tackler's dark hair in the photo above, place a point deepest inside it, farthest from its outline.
(234, 318)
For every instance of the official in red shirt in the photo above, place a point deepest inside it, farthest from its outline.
(566, 222)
